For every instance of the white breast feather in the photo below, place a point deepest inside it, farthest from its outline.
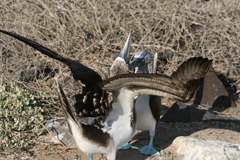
(145, 119)
(84, 144)
(120, 118)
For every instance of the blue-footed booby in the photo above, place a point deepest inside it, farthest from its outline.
(148, 107)
(116, 96)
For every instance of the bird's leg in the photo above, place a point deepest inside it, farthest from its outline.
(148, 149)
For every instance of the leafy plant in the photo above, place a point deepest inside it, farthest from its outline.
(21, 117)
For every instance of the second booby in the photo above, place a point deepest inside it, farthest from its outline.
(148, 107)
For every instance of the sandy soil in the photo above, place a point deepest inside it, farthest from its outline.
(166, 133)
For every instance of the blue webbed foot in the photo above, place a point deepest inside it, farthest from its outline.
(148, 150)
(126, 146)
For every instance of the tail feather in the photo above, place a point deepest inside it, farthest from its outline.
(65, 104)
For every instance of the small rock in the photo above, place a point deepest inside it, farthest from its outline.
(188, 148)
(60, 132)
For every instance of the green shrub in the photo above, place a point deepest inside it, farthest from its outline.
(21, 117)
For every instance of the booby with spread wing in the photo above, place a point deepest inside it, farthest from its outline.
(117, 95)
(148, 107)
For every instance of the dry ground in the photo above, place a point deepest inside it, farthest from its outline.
(93, 30)
(166, 133)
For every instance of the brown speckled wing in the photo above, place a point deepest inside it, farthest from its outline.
(192, 69)
(191, 73)
(146, 82)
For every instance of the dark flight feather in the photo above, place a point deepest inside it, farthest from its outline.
(80, 72)
(192, 69)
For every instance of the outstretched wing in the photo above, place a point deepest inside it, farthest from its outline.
(192, 69)
(191, 73)
(148, 81)
(181, 84)
(80, 72)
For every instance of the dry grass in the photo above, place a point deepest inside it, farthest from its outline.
(93, 30)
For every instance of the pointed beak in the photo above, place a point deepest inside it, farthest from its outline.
(126, 48)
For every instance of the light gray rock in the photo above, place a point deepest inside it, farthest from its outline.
(60, 133)
(188, 148)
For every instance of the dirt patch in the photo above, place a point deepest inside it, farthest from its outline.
(166, 133)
